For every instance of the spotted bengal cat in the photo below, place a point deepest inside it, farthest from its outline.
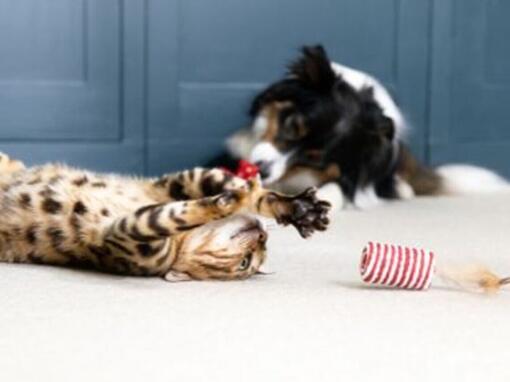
(194, 224)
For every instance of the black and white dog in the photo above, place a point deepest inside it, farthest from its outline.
(331, 126)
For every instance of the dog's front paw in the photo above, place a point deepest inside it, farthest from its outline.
(305, 212)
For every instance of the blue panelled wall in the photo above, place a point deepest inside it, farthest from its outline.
(151, 86)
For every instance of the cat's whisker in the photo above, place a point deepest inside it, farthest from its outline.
(262, 273)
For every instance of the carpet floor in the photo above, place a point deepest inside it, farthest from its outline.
(311, 320)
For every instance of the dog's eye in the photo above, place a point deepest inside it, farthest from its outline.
(292, 128)
(245, 262)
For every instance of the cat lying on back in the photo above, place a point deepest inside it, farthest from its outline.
(188, 225)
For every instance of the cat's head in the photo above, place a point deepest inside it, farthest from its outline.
(228, 249)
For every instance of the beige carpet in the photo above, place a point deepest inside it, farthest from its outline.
(310, 321)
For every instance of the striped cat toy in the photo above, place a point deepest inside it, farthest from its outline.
(397, 266)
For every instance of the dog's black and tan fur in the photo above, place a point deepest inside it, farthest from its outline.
(327, 123)
(181, 226)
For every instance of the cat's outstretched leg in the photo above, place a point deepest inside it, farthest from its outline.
(193, 184)
(156, 222)
(140, 242)
(159, 221)
(304, 211)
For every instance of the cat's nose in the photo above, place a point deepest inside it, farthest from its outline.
(264, 168)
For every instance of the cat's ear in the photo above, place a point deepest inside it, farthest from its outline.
(175, 276)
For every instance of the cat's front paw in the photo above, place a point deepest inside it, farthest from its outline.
(305, 212)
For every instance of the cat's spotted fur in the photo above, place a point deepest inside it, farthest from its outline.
(180, 226)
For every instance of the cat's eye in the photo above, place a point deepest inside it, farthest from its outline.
(245, 262)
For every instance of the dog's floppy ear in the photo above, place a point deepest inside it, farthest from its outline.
(313, 69)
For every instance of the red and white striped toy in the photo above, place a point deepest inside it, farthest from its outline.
(398, 266)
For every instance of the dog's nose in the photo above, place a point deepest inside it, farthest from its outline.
(264, 168)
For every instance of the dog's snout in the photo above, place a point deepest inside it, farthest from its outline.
(264, 168)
